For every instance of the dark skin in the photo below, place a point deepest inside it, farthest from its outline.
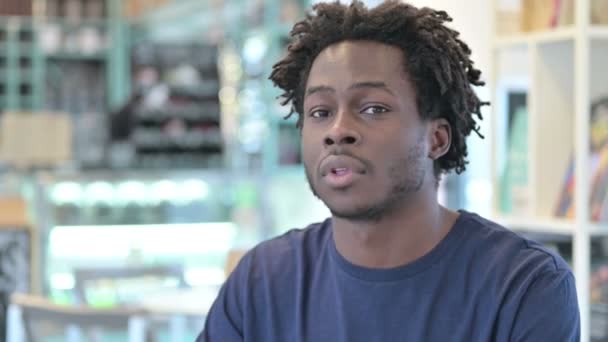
(369, 155)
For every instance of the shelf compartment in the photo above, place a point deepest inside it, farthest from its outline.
(511, 102)
(551, 133)
(599, 72)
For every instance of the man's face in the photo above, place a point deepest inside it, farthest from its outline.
(364, 145)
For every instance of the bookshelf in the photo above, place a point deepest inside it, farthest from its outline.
(256, 140)
(183, 130)
(60, 60)
(21, 65)
(562, 70)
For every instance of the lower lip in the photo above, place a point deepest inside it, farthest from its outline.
(340, 180)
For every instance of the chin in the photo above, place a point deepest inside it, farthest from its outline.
(360, 207)
(358, 214)
(355, 211)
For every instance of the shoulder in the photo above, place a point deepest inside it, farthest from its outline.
(503, 248)
(532, 285)
(517, 272)
(287, 252)
(311, 237)
(509, 264)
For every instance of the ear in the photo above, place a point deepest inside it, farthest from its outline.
(440, 138)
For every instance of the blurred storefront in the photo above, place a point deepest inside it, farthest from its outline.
(146, 150)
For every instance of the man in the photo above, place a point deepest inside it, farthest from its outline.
(385, 103)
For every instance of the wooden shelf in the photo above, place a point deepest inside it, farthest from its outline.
(550, 225)
(599, 229)
(599, 32)
(538, 225)
(550, 36)
(77, 56)
(26, 74)
(541, 37)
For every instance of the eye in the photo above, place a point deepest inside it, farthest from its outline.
(319, 113)
(374, 110)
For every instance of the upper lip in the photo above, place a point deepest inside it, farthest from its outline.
(341, 161)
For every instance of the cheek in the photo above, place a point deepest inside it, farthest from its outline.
(397, 146)
(391, 145)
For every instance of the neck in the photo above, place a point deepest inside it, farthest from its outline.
(397, 239)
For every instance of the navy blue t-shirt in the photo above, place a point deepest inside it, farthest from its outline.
(482, 282)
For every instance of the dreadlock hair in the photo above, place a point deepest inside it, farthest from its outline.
(437, 61)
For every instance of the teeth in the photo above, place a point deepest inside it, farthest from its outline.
(340, 171)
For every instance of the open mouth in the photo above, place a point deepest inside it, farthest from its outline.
(341, 171)
(340, 177)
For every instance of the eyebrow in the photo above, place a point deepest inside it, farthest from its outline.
(320, 89)
(358, 85)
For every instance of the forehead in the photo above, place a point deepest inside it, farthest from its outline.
(358, 60)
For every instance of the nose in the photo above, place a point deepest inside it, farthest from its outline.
(342, 132)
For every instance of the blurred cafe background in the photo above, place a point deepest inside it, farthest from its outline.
(143, 150)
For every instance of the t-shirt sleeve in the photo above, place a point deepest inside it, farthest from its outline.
(224, 322)
(548, 310)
